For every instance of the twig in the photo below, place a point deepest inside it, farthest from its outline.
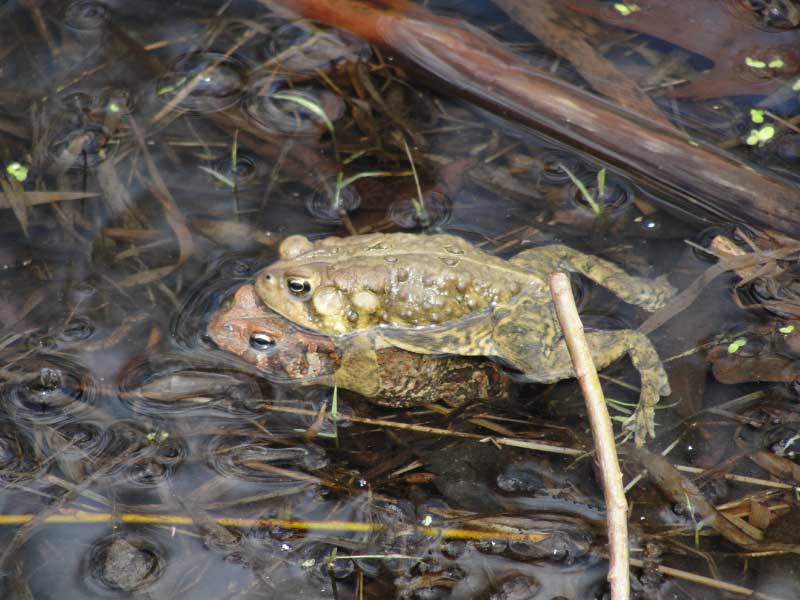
(603, 433)
(707, 581)
(502, 441)
(68, 516)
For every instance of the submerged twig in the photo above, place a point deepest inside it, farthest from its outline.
(502, 441)
(602, 431)
(78, 517)
(707, 581)
(683, 491)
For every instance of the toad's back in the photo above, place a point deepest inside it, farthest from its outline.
(340, 285)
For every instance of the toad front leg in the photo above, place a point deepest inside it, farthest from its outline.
(650, 294)
(359, 370)
(530, 339)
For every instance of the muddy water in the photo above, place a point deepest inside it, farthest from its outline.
(154, 156)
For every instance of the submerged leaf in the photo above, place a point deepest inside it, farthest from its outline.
(15, 196)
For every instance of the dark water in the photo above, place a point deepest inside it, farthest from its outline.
(137, 460)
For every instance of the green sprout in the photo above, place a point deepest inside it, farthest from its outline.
(418, 202)
(596, 207)
(342, 183)
(217, 175)
(734, 346)
(776, 63)
(760, 136)
(114, 107)
(796, 86)
(601, 182)
(334, 417)
(308, 104)
(18, 171)
(787, 329)
(757, 115)
(754, 63)
(169, 88)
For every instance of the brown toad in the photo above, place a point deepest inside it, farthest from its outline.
(438, 294)
(288, 354)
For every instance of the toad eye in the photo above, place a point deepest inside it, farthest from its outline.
(261, 341)
(298, 286)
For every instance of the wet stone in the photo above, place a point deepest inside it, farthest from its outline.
(127, 567)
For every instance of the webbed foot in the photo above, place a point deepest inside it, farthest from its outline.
(529, 338)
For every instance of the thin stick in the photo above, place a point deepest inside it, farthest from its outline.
(501, 441)
(603, 433)
(69, 516)
(708, 581)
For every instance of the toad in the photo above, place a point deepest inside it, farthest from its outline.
(285, 353)
(437, 294)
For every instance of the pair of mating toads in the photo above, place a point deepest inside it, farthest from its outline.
(406, 318)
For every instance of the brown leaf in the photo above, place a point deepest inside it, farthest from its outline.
(15, 195)
(760, 515)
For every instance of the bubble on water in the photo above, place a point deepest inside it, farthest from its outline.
(305, 110)
(86, 15)
(328, 206)
(48, 389)
(83, 146)
(203, 82)
(410, 213)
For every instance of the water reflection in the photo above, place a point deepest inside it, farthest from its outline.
(138, 458)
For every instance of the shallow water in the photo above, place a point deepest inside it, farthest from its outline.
(172, 147)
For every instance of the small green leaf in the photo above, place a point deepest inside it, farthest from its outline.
(796, 86)
(757, 115)
(113, 107)
(754, 63)
(17, 171)
(625, 9)
(776, 63)
(766, 133)
(734, 346)
(787, 329)
(760, 136)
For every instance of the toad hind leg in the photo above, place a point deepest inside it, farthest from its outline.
(650, 294)
(524, 344)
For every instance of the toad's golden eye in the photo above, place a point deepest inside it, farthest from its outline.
(298, 286)
(261, 341)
